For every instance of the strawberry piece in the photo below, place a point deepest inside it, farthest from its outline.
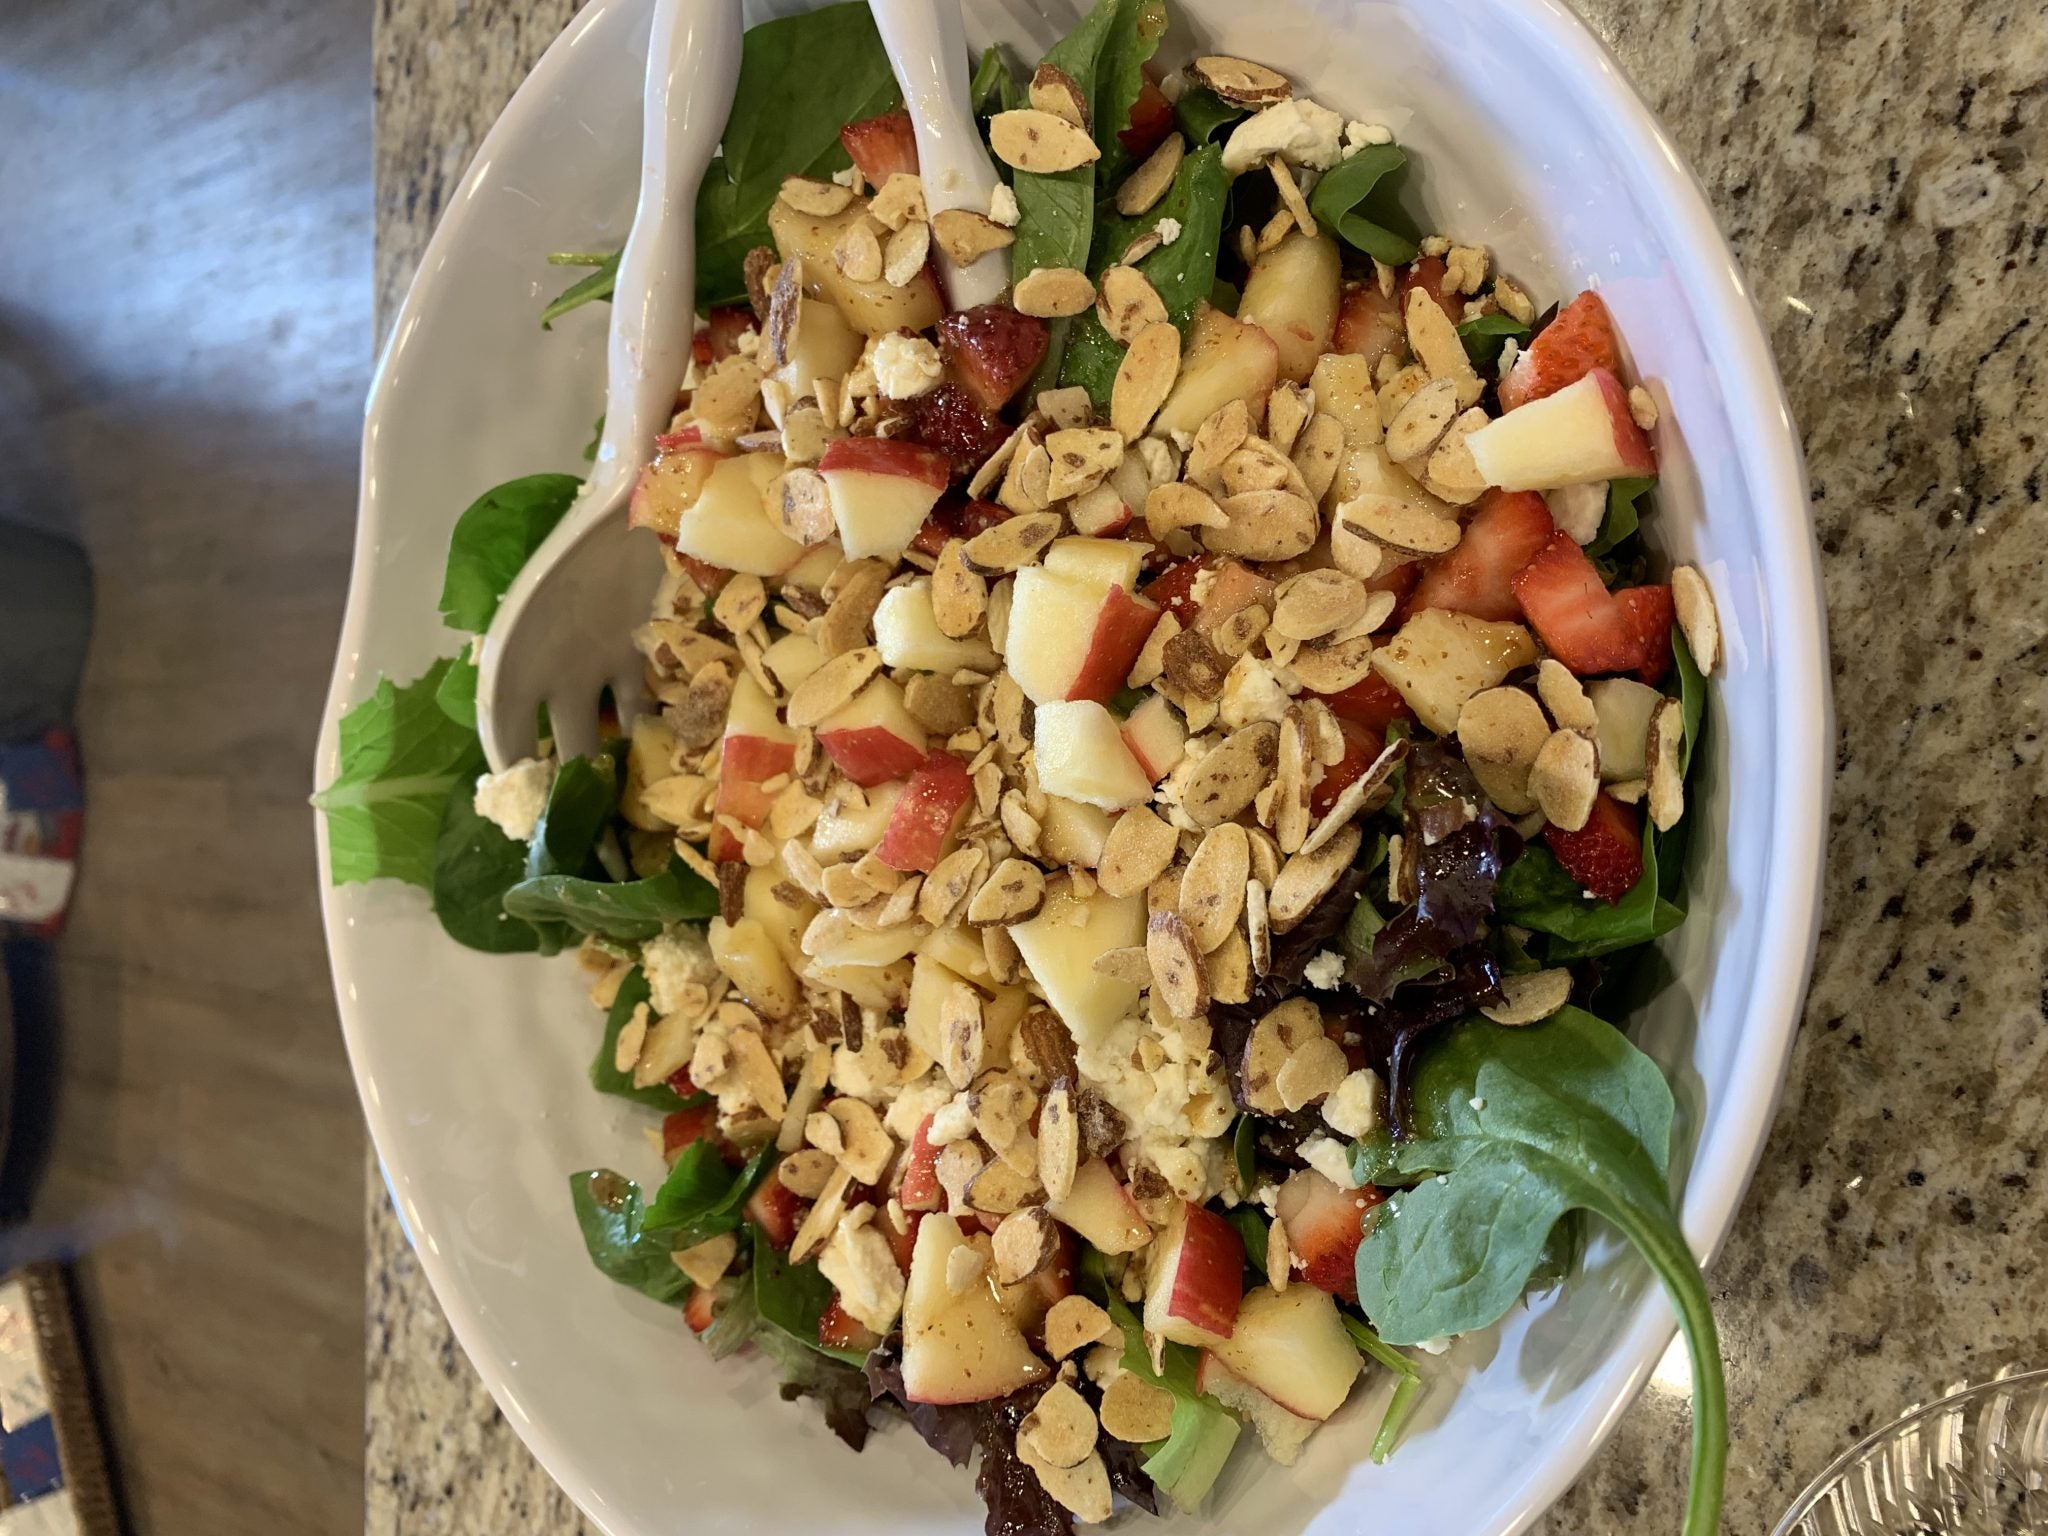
(1151, 121)
(1427, 273)
(882, 146)
(840, 1329)
(700, 1310)
(679, 1081)
(1372, 702)
(1580, 339)
(1174, 588)
(684, 1126)
(1507, 531)
(776, 1210)
(1325, 1225)
(1652, 613)
(1583, 623)
(721, 338)
(1368, 324)
(952, 421)
(1361, 745)
(902, 1244)
(1605, 855)
(990, 350)
(921, 1191)
(955, 517)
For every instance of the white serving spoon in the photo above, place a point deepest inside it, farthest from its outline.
(563, 632)
(928, 47)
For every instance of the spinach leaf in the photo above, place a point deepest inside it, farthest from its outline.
(457, 693)
(1202, 115)
(1485, 336)
(1406, 1389)
(1574, 1117)
(1535, 892)
(1243, 1150)
(401, 757)
(475, 864)
(701, 1197)
(991, 85)
(1120, 79)
(1352, 200)
(802, 78)
(580, 805)
(630, 911)
(605, 1076)
(793, 1297)
(493, 539)
(1058, 209)
(608, 1211)
(1692, 696)
(1252, 1231)
(596, 440)
(1623, 513)
(588, 289)
(1184, 1465)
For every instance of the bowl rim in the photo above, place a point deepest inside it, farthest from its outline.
(1773, 470)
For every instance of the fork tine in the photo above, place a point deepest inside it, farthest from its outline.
(511, 732)
(629, 697)
(574, 723)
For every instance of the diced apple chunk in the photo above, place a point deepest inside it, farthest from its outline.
(1156, 736)
(1225, 360)
(882, 491)
(1060, 946)
(958, 1347)
(1082, 756)
(1197, 1277)
(873, 307)
(1106, 562)
(1582, 433)
(1102, 1211)
(1072, 635)
(1282, 1433)
(1440, 659)
(1291, 295)
(873, 738)
(728, 524)
(1623, 707)
(1292, 1346)
(908, 634)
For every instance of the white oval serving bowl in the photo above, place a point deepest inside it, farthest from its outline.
(472, 1068)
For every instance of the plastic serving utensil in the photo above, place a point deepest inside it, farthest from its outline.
(562, 633)
(928, 47)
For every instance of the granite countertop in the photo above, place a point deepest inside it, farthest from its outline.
(1879, 168)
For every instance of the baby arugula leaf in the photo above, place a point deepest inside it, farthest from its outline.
(1528, 1124)
(401, 755)
(1354, 199)
(475, 864)
(492, 540)
(608, 1211)
(802, 78)
(588, 289)
(1624, 515)
(605, 1075)
(630, 911)
(1406, 1389)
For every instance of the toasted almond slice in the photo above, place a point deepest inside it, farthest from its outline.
(1331, 666)
(1225, 781)
(1698, 619)
(1013, 891)
(1212, 889)
(1452, 474)
(1059, 1138)
(900, 200)
(820, 199)
(1434, 341)
(1280, 1031)
(1030, 476)
(865, 1147)
(1287, 411)
(993, 467)
(832, 686)
(1179, 505)
(823, 1216)
(1266, 525)
(961, 1036)
(1317, 453)
(1144, 379)
(1628, 791)
(1053, 292)
(821, 1131)
(1258, 466)
(959, 593)
(1368, 790)
(858, 252)
(1220, 436)
(1357, 553)
(1148, 183)
(1290, 195)
(1317, 603)
(1081, 458)
(1502, 732)
(1001, 1188)
(1290, 783)
(1127, 965)
(1137, 851)
(803, 1171)
(707, 1262)
(959, 1165)
(802, 506)
(1311, 1073)
(1194, 666)
(1565, 697)
(1135, 1411)
(965, 236)
(1011, 544)
(1564, 779)
(1258, 931)
(1279, 1256)
(1421, 423)
(1229, 969)
(1666, 778)
(1082, 1490)
(759, 1072)
(1024, 1243)
(1307, 877)
(1126, 302)
(1239, 81)
(1032, 140)
(1068, 407)
(907, 251)
(1053, 90)
(1178, 978)
(1400, 524)
(845, 625)
(1530, 997)
(1073, 1324)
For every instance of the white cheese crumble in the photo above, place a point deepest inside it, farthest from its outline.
(1002, 207)
(673, 963)
(1168, 231)
(1437, 1346)
(1299, 132)
(1354, 1109)
(1579, 509)
(906, 366)
(1331, 1159)
(1358, 135)
(1325, 971)
(515, 798)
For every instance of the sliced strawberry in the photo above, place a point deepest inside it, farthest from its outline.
(1579, 340)
(700, 1309)
(1427, 273)
(1151, 121)
(1368, 324)
(903, 1244)
(721, 338)
(953, 421)
(1174, 588)
(1652, 613)
(1372, 702)
(1234, 588)
(921, 1191)
(679, 1081)
(1507, 531)
(990, 350)
(1605, 855)
(684, 1126)
(882, 146)
(1324, 1226)
(1361, 745)
(776, 1210)
(1583, 623)
(955, 517)
(840, 1329)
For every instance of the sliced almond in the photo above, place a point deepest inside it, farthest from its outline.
(1212, 889)
(1565, 697)
(995, 467)
(832, 686)
(1053, 90)
(823, 1216)
(1317, 603)
(1239, 81)
(965, 237)
(1001, 1188)
(1452, 474)
(1307, 877)
(1013, 891)
(959, 592)
(866, 1147)
(1194, 666)
(1369, 791)
(1280, 1032)
(1229, 969)
(1666, 779)
(1400, 524)
(1331, 666)
(1421, 423)
(1502, 732)
(1288, 409)
(1258, 931)
(1068, 407)
(1311, 1074)
(1357, 553)
(1318, 452)
(906, 253)
(1137, 851)
(1144, 379)
(1530, 997)
(1434, 341)
(1032, 140)
(1023, 1244)
(1259, 466)
(1628, 791)
(1135, 1411)
(900, 200)
(1126, 302)
(858, 252)
(1289, 818)
(1082, 1490)
(1081, 458)
(1225, 781)
(802, 506)
(1059, 1140)
(820, 199)
(1698, 619)
(1178, 979)
(1290, 195)
(959, 1165)
(1124, 964)
(1175, 506)
(803, 1172)
(961, 1036)
(1564, 779)
(1220, 436)
(1266, 525)
(1053, 293)
(707, 1262)
(1011, 544)
(1149, 182)
(1279, 1257)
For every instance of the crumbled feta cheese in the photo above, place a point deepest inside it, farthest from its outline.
(749, 342)
(907, 1110)
(906, 366)
(1477, 1104)
(1358, 135)
(1354, 1109)
(673, 963)
(1331, 1159)
(861, 1266)
(951, 1122)
(848, 176)
(1437, 1346)
(1251, 692)
(1299, 132)
(1174, 86)
(1168, 231)
(1002, 207)
(515, 798)
(1325, 971)
(1510, 349)
(1579, 509)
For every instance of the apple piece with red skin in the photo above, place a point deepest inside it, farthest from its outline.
(958, 1348)
(1082, 755)
(1196, 1279)
(670, 485)
(1233, 588)
(1122, 625)
(776, 1210)
(1605, 855)
(1584, 625)
(1580, 339)
(1292, 1346)
(756, 747)
(840, 1329)
(1151, 121)
(990, 350)
(925, 815)
(1224, 360)
(1362, 747)
(872, 737)
(1368, 324)
(1372, 702)
(882, 147)
(1101, 1211)
(1580, 434)
(1506, 531)
(1071, 637)
(1429, 274)
(921, 1190)
(1030, 1299)
(882, 489)
(1325, 1225)
(700, 1308)
(1173, 589)
(728, 523)
(1156, 736)
(902, 1240)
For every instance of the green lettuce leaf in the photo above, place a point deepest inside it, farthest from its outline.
(492, 540)
(793, 1297)
(588, 289)
(1485, 336)
(605, 1076)
(475, 864)
(631, 911)
(1354, 198)
(1185, 1464)
(1624, 513)
(702, 1197)
(1202, 115)
(608, 1212)
(1535, 892)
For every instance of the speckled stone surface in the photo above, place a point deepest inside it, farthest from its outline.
(1880, 168)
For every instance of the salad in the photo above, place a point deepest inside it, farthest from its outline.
(1156, 788)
